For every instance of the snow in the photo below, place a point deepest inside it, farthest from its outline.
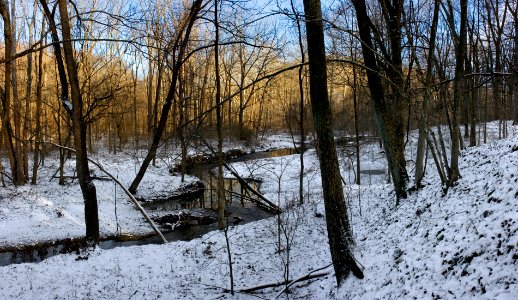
(49, 211)
(462, 245)
(68, 105)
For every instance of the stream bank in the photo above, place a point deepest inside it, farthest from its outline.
(184, 214)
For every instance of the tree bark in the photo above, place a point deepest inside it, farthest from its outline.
(338, 227)
(7, 129)
(79, 131)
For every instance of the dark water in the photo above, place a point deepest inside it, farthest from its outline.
(240, 209)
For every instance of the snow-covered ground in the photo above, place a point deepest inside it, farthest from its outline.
(49, 211)
(462, 245)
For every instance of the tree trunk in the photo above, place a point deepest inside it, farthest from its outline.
(17, 107)
(356, 127)
(150, 96)
(135, 119)
(219, 121)
(39, 87)
(460, 53)
(301, 104)
(338, 227)
(79, 131)
(423, 119)
(7, 129)
(74, 108)
(157, 98)
(388, 110)
(28, 94)
(514, 13)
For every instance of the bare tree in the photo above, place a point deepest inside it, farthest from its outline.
(7, 130)
(178, 49)
(338, 227)
(75, 110)
(389, 104)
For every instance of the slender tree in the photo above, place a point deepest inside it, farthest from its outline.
(7, 129)
(219, 121)
(37, 118)
(460, 54)
(423, 118)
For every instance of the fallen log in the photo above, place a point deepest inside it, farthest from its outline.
(307, 276)
(243, 182)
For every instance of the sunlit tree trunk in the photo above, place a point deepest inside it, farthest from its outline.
(37, 117)
(7, 129)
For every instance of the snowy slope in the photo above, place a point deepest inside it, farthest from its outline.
(462, 245)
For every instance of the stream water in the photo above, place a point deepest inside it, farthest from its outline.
(240, 209)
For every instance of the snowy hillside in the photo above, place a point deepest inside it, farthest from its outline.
(462, 245)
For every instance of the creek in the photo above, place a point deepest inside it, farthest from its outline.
(184, 217)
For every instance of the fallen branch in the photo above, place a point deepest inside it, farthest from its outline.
(137, 204)
(6, 175)
(308, 276)
(243, 182)
(93, 177)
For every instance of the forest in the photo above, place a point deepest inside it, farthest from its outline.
(214, 149)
